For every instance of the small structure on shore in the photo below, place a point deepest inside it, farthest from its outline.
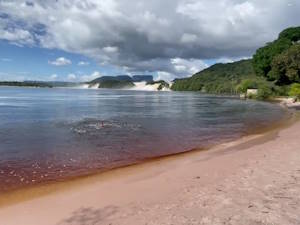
(250, 93)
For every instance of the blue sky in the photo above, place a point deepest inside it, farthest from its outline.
(34, 63)
(44, 40)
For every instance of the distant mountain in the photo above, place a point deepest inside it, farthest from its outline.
(123, 78)
(43, 84)
(121, 81)
(116, 84)
(136, 82)
(26, 84)
(111, 78)
(62, 83)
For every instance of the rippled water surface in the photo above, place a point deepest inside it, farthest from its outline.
(54, 134)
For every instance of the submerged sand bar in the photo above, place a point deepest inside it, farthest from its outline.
(255, 180)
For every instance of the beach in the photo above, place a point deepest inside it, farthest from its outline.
(254, 180)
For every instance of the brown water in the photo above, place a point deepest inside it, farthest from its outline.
(50, 135)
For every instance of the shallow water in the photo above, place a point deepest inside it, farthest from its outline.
(55, 134)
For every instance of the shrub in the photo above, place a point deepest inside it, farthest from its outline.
(247, 84)
(295, 91)
(265, 92)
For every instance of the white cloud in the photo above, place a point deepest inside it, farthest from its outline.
(188, 38)
(188, 66)
(61, 61)
(163, 75)
(71, 77)
(111, 49)
(90, 77)
(17, 36)
(142, 36)
(83, 63)
(53, 77)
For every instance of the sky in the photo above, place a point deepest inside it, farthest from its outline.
(79, 40)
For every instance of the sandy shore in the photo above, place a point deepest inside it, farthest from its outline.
(255, 180)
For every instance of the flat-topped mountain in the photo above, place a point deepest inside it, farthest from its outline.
(122, 78)
(143, 82)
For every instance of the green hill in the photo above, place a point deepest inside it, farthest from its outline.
(273, 69)
(219, 78)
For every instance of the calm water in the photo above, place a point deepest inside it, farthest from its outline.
(54, 134)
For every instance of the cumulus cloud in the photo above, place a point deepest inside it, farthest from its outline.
(83, 63)
(89, 77)
(16, 36)
(188, 67)
(53, 77)
(111, 49)
(72, 77)
(162, 75)
(140, 36)
(61, 61)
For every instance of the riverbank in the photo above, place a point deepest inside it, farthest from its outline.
(254, 180)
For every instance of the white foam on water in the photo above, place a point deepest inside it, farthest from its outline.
(94, 86)
(142, 86)
(138, 86)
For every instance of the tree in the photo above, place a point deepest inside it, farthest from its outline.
(295, 91)
(286, 66)
(247, 84)
(264, 56)
(292, 33)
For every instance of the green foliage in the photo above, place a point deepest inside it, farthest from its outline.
(271, 71)
(116, 84)
(218, 79)
(264, 88)
(247, 84)
(292, 33)
(265, 91)
(295, 91)
(281, 90)
(264, 56)
(286, 66)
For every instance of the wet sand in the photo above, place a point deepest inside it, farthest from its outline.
(255, 180)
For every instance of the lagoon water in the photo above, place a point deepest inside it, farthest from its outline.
(54, 134)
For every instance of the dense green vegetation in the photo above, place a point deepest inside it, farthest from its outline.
(295, 91)
(272, 70)
(286, 66)
(26, 84)
(219, 78)
(116, 84)
(268, 61)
